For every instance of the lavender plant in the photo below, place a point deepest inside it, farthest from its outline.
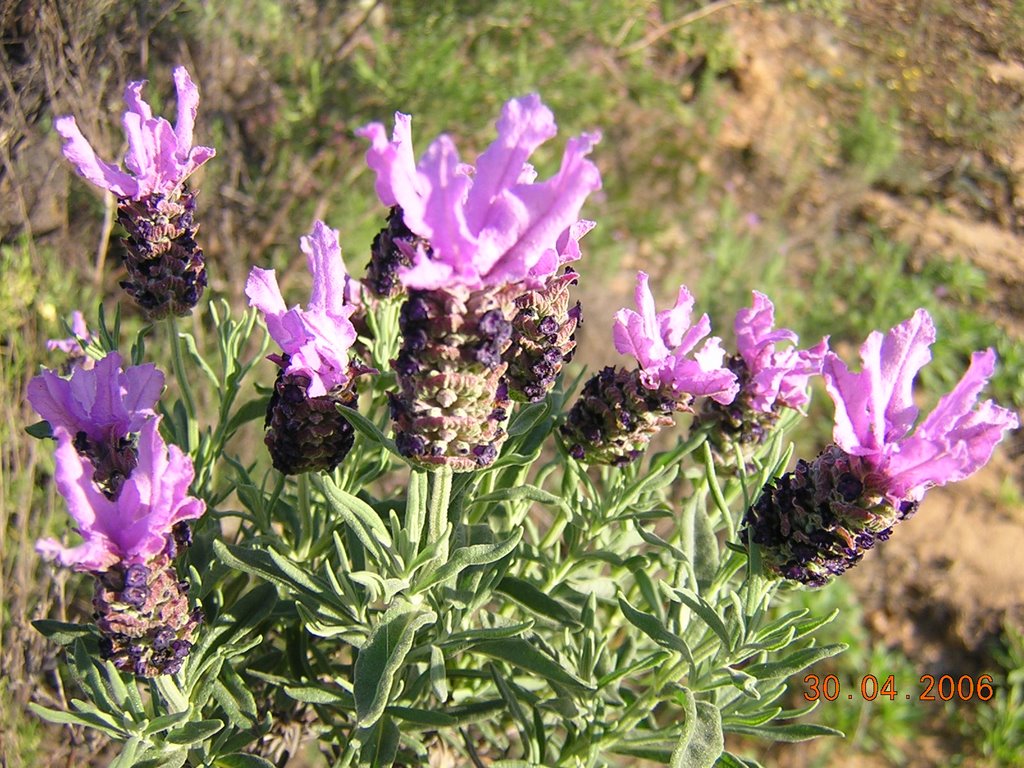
(463, 559)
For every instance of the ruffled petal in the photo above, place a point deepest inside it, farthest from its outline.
(81, 155)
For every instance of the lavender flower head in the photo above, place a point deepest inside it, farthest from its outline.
(662, 343)
(619, 410)
(816, 522)
(135, 527)
(305, 430)
(774, 375)
(875, 414)
(104, 402)
(487, 225)
(316, 339)
(159, 158)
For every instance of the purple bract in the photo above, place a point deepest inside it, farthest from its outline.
(776, 376)
(316, 339)
(159, 158)
(876, 416)
(137, 525)
(104, 402)
(662, 341)
(487, 225)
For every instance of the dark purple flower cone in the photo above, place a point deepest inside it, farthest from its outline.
(307, 434)
(452, 400)
(543, 338)
(615, 417)
(166, 269)
(144, 618)
(390, 250)
(816, 522)
(113, 460)
(736, 421)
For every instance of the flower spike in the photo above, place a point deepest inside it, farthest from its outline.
(817, 521)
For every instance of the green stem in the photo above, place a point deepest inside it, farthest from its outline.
(306, 535)
(178, 362)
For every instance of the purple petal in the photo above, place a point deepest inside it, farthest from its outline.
(524, 125)
(264, 293)
(80, 154)
(188, 108)
(393, 162)
(905, 351)
(323, 254)
(672, 323)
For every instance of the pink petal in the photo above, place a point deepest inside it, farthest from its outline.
(323, 254)
(188, 108)
(524, 125)
(80, 154)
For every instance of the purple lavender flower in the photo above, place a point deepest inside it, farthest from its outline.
(159, 158)
(770, 379)
(305, 431)
(619, 411)
(662, 343)
(774, 375)
(875, 414)
(316, 339)
(105, 403)
(137, 525)
(466, 242)
(487, 225)
(165, 265)
(814, 523)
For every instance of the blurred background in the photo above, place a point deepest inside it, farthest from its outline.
(853, 159)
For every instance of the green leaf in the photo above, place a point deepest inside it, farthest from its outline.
(252, 410)
(702, 741)
(40, 431)
(164, 722)
(533, 599)
(464, 557)
(242, 760)
(460, 641)
(708, 615)
(652, 626)
(63, 632)
(193, 733)
(790, 732)
(380, 743)
(321, 694)
(438, 673)
(71, 718)
(427, 718)
(529, 492)
(794, 662)
(729, 760)
(361, 518)
(528, 657)
(380, 660)
(367, 429)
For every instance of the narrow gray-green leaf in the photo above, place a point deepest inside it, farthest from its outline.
(526, 656)
(708, 615)
(533, 599)
(381, 659)
(242, 760)
(192, 733)
(791, 732)
(652, 626)
(380, 744)
(464, 557)
(795, 662)
(702, 745)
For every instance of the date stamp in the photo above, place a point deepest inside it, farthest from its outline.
(943, 688)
